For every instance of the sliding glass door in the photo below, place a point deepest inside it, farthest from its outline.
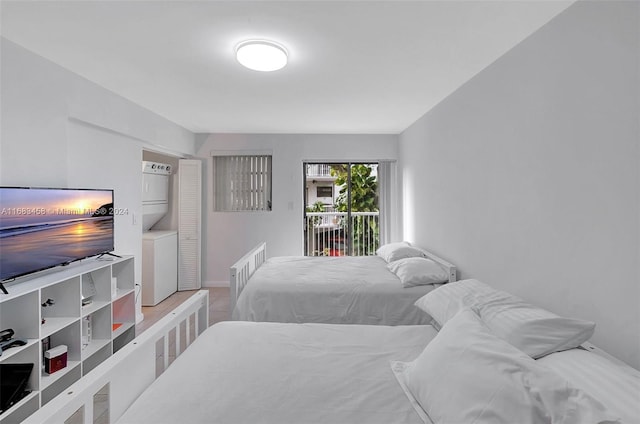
(341, 209)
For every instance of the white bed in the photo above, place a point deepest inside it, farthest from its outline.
(337, 290)
(248, 372)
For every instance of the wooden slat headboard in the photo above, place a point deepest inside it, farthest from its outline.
(243, 269)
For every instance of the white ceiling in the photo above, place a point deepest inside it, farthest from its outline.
(356, 67)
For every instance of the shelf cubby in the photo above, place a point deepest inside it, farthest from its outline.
(124, 274)
(55, 383)
(22, 315)
(16, 354)
(101, 279)
(22, 409)
(49, 380)
(62, 299)
(100, 350)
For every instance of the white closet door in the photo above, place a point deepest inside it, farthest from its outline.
(189, 224)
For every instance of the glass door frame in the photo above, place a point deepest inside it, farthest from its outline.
(347, 231)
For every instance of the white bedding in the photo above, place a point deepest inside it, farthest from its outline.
(616, 386)
(244, 372)
(337, 290)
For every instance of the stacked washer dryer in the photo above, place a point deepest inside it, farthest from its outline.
(159, 247)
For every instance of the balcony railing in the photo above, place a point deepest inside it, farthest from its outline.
(319, 170)
(332, 234)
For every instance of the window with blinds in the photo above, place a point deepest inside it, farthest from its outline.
(242, 183)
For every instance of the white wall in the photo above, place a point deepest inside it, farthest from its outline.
(527, 177)
(229, 235)
(60, 130)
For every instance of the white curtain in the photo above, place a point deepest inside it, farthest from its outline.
(388, 200)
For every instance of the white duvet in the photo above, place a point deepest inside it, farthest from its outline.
(337, 290)
(244, 372)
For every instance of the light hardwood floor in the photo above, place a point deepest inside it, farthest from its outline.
(218, 307)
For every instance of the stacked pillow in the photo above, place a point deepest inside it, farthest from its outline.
(418, 271)
(444, 303)
(411, 265)
(467, 374)
(529, 328)
(394, 251)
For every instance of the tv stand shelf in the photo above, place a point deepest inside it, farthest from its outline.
(91, 332)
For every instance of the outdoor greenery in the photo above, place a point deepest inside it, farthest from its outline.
(364, 188)
(364, 198)
(316, 207)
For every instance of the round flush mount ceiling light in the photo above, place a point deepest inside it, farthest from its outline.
(261, 55)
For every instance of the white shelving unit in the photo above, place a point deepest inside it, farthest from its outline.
(110, 312)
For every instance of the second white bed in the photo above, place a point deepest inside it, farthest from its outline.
(286, 373)
(336, 290)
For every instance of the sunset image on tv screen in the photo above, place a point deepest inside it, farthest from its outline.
(41, 228)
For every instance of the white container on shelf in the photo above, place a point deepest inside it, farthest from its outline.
(114, 287)
(55, 359)
(86, 330)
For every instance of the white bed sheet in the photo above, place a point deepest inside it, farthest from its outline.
(335, 290)
(244, 372)
(616, 386)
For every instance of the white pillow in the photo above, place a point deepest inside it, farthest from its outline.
(404, 252)
(533, 330)
(386, 249)
(394, 251)
(418, 271)
(444, 302)
(468, 375)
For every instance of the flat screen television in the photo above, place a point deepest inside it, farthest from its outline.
(42, 228)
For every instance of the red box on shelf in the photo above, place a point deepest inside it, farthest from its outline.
(55, 359)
